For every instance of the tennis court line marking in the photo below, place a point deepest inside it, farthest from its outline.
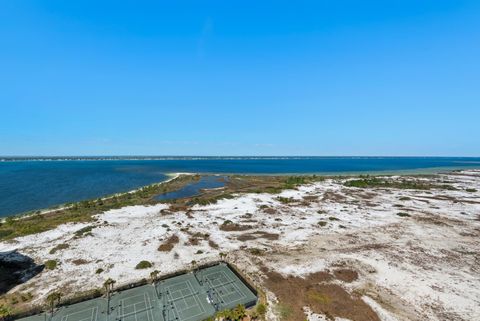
(215, 288)
(93, 309)
(193, 293)
(148, 307)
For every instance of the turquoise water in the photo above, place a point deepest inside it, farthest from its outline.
(30, 185)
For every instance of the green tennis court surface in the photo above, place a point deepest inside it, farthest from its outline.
(91, 310)
(224, 289)
(187, 297)
(183, 299)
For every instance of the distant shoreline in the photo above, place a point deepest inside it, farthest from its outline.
(112, 158)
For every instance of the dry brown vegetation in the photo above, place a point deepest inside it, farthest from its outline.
(195, 238)
(257, 235)
(346, 275)
(318, 293)
(168, 245)
(213, 245)
(80, 262)
(332, 196)
(229, 226)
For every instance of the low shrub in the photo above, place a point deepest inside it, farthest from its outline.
(143, 265)
(285, 200)
(59, 247)
(85, 231)
(169, 244)
(51, 264)
(261, 309)
(256, 251)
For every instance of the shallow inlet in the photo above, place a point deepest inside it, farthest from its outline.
(193, 189)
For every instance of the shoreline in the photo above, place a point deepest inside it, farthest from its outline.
(172, 176)
(61, 207)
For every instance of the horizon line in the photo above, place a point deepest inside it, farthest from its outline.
(228, 156)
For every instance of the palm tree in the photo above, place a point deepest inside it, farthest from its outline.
(53, 299)
(154, 276)
(154, 279)
(194, 265)
(108, 285)
(222, 256)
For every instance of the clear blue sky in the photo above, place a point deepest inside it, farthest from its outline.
(240, 77)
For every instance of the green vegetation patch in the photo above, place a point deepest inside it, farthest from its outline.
(236, 314)
(51, 264)
(59, 247)
(5, 311)
(403, 214)
(261, 310)
(285, 200)
(370, 182)
(268, 184)
(143, 265)
(85, 231)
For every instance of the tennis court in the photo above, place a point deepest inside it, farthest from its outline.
(91, 310)
(224, 289)
(183, 299)
(137, 304)
(186, 297)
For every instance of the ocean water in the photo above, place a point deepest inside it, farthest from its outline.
(27, 185)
